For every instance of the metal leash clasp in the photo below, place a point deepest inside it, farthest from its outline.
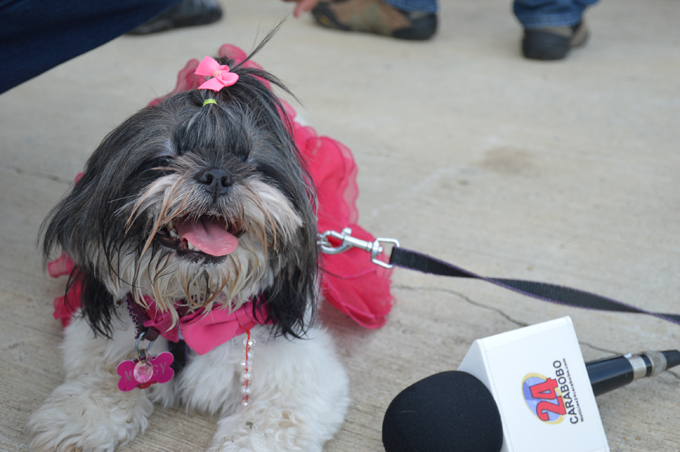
(375, 247)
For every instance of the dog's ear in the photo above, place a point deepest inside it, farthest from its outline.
(291, 301)
(97, 305)
(73, 225)
(288, 302)
(66, 229)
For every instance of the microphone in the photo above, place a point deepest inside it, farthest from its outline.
(446, 412)
(455, 412)
(611, 373)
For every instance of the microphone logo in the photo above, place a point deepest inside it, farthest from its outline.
(551, 399)
(543, 397)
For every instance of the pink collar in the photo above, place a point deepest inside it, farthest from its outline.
(200, 330)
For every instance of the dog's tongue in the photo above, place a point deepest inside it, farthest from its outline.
(208, 235)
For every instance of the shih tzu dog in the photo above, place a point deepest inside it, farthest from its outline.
(192, 238)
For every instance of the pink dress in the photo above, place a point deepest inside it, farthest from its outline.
(349, 281)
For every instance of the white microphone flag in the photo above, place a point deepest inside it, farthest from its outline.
(539, 381)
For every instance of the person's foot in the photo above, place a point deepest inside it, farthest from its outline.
(188, 13)
(375, 16)
(553, 43)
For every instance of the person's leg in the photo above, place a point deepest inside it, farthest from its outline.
(35, 35)
(403, 19)
(422, 6)
(550, 13)
(551, 27)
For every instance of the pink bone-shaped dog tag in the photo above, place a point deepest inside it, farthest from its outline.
(132, 375)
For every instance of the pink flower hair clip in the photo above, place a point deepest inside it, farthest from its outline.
(220, 74)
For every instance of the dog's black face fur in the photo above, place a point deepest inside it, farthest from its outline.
(233, 163)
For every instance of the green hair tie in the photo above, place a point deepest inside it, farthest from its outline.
(209, 101)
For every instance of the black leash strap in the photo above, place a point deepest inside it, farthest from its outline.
(567, 296)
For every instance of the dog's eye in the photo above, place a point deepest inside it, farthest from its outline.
(158, 163)
(162, 161)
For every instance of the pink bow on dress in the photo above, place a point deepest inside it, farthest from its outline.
(220, 74)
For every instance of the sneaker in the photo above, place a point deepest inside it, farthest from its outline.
(188, 13)
(553, 43)
(375, 16)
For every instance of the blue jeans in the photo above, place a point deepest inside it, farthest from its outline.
(550, 13)
(531, 13)
(425, 6)
(36, 35)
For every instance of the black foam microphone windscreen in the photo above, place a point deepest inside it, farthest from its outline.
(446, 412)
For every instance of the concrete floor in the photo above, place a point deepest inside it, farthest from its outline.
(565, 172)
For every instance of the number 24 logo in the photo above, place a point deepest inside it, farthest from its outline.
(546, 392)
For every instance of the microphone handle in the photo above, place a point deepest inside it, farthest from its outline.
(611, 373)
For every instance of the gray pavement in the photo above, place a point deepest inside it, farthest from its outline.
(565, 172)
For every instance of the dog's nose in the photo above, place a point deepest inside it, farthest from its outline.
(215, 181)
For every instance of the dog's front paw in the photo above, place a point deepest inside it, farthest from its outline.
(264, 428)
(81, 417)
